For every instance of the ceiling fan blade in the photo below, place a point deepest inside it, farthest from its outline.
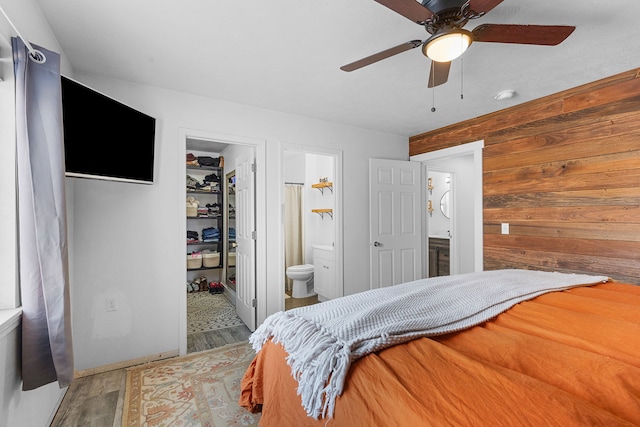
(381, 55)
(410, 9)
(483, 5)
(439, 73)
(547, 35)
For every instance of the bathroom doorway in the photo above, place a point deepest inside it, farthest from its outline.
(464, 163)
(311, 200)
(440, 221)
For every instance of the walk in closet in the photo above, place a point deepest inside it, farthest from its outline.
(206, 230)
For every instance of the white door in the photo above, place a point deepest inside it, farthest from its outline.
(245, 239)
(395, 210)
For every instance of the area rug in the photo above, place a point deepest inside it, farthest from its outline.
(199, 389)
(208, 312)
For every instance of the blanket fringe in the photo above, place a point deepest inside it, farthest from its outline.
(318, 360)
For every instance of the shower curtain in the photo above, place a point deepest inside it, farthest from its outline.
(47, 353)
(293, 228)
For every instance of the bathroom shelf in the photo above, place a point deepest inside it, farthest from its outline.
(321, 212)
(322, 185)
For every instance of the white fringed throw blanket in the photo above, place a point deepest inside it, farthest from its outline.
(323, 340)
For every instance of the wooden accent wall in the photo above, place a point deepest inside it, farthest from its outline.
(564, 171)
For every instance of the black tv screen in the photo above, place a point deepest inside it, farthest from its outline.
(104, 138)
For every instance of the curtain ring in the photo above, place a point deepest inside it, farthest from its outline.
(36, 56)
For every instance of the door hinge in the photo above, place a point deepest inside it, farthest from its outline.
(254, 235)
(253, 167)
(254, 303)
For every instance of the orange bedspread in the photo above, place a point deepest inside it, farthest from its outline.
(568, 358)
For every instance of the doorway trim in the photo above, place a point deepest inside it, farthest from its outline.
(337, 213)
(261, 215)
(474, 149)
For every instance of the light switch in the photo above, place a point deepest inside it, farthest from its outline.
(505, 228)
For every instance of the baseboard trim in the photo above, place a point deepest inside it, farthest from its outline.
(231, 295)
(125, 364)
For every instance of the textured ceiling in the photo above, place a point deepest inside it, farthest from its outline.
(285, 55)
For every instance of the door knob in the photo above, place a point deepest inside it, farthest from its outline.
(376, 244)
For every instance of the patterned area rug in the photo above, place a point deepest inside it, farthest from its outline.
(199, 389)
(207, 312)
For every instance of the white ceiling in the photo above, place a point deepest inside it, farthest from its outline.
(285, 55)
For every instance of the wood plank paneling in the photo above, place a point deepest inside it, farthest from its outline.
(564, 172)
(600, 232)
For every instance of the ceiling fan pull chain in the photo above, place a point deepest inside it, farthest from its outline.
(433, 94)
(461, 78)
(433, 89)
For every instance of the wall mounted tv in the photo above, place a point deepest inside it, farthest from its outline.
(105, 139)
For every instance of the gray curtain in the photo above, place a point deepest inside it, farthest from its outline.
(47, 353)
(293, 229)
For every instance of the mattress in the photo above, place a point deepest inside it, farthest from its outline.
(569, 358)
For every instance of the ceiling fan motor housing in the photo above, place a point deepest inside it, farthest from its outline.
(447, 14)
(437, 6)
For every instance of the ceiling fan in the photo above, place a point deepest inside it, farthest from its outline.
(445, 19)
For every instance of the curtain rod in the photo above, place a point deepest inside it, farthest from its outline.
(34, 54)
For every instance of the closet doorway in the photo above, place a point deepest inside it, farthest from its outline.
(248, 156)
(311, 238)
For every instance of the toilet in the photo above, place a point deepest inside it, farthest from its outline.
(302, 276)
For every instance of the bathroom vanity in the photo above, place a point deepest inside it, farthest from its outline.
(438, 257)
(324, 272)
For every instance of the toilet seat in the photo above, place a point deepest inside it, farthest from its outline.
(304, 268)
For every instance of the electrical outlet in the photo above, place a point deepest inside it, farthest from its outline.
(111, 304)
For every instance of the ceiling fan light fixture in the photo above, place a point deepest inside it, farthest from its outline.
(445, 46)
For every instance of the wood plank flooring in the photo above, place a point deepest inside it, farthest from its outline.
(97, 400)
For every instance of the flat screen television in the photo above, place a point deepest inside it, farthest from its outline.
(104, 138)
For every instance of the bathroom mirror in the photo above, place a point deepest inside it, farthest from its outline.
(444, 204)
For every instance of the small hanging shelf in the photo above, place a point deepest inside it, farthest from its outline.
(321, 212)
(322, 185)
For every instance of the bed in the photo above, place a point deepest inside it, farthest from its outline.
(562, 357)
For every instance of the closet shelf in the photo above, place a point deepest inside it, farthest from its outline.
(216, 191)
(322, 185)
(321, 212)
(203, 168)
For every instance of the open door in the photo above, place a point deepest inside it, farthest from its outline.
(246, 243)
(396, 215)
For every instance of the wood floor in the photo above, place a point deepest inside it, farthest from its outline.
(290, 303)
(97, 400)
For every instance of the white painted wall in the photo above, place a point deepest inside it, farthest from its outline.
(129, 243)
(439, 225)
(319, 230)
